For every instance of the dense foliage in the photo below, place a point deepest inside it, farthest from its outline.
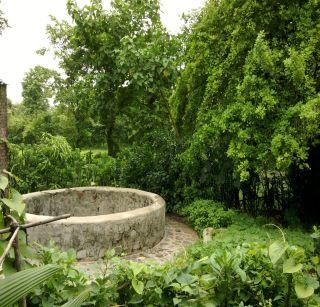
(38, 88)
(219, 120)
(260, 273)
(242, 122)
(247, 99)
(119, 66)
(201, 214)
(53, 164)
(150, 164)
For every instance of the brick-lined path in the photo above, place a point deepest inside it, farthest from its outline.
(177, 236)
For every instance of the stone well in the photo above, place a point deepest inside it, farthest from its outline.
(102, 218)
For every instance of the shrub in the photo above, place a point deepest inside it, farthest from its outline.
(28, 128)
(53, 164)
(150, 165)
(68, 283)
(207, 213)
(251, 274)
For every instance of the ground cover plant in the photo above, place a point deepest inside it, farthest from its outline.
(256, 270)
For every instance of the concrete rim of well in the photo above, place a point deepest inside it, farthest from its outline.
(157, 204)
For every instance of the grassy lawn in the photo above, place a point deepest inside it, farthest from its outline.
(95, 150)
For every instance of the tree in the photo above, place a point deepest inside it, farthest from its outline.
(3, 21)
(248, 97)
(38, 88)
(122, 59)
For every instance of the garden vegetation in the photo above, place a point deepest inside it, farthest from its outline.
(221, 120)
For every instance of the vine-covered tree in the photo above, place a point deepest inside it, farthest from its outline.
(117, 62)
(248, 98)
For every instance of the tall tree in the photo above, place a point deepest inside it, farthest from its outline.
(3, 21)
(249, 95)
(118, 58)
(38, 88)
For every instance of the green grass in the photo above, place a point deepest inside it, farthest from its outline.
(95, 150)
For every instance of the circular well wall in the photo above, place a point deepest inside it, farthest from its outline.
(102, 218)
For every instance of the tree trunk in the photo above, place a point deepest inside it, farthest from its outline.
(112, 146)
(3, 127)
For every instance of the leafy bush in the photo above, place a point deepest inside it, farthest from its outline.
(251, 274)
(150, 165)
(54, 164)
(207, 213)
(68, 283)
(28, 128)
(244, 229)
(248, 100)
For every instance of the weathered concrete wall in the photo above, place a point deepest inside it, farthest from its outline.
(103, 218)
(86, 201)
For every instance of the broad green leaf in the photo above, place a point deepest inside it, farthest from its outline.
(242, 274)
(186, 279)
(15, 203)
(135, 299)
(3, 182)
(290, 266)
(188, 289)
(176, 301)
(16, 286)
(137, 285)
(315, 260)
(303, 291)
(8, 267)
(136, 268)
(78, 300)
(19, 207)
(16, 196)
(11, 175)
(277, 250)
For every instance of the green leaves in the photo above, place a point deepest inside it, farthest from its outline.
(137, 285)
(19, 284)
(292, 257)
(120, 63)
(77, 301)
(16, 202)
(3, 182)
(305, 285)
(137, 268)
(290, 266)
(186, 279)
(247, 101)
(38, 87)
(303, 290)
(277, 250)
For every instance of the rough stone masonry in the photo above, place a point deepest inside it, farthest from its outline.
(127, 220)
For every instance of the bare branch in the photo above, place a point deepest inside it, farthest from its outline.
(28, 225)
